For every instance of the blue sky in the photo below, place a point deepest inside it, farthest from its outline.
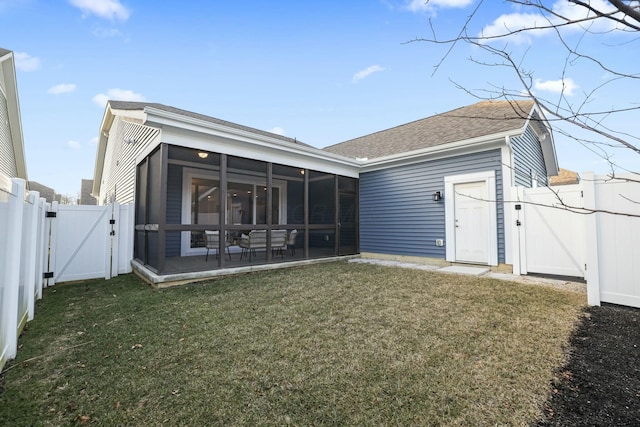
(322, 72)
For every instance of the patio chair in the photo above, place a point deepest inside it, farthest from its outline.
(212, 241)
(291, 242)
(256, 239)
(278, 241)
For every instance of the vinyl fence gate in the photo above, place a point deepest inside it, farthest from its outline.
(589, 230)
(89, 242)
(42, 244)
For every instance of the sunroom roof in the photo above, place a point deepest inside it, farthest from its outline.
(130, 105)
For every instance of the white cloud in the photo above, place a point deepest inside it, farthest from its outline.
(75, 145)
(108, 9)
(117, 94)
(94, 140)
(26, 62)
(509, 23)
(104, 33)
(575, 13)
(277, 130)
(514, 22)
(62, 88)
(565, 86)
(423, 5)
(366, 72)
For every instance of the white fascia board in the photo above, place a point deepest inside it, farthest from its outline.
(457, 148)
(134, 114)
(103, 137)
(7, 66)
(550, 156)
(233, 146)
(244, 143)
(546, 142)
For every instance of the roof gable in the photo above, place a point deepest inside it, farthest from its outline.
(481, 119)
(126, 105)
(10, 88)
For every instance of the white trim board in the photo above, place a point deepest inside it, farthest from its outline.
(489, 177)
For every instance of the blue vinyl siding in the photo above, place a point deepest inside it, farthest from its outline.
(527, 159)
(174, 208)
(398, 215)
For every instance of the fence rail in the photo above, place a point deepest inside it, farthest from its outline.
(31, 241)
(589, 230)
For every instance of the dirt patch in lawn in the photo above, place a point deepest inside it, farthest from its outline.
(600, 384)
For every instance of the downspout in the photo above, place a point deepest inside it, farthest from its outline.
(507, 161)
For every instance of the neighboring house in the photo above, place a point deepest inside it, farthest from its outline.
(47, 192)
(190, 173)
(434, 188)
(565, 177)
(437, 187)
(86, 188)
(12, 159)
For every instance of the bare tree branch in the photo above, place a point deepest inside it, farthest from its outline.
(561, 206)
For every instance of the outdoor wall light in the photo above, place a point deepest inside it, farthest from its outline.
(203, 155)
(437, 196)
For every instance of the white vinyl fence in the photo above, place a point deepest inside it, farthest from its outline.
(551, 239)
(613, 240)
(43, 244)
(589, 230)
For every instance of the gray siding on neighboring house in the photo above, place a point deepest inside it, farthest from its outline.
(7, 155)
(528, 159)
(398, 215)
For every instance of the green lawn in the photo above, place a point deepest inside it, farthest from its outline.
(328, 344)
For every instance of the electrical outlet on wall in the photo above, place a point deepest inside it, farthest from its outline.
(439, 242)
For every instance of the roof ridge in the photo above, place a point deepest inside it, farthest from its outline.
(140, 105)
(484, 101)
(483, 118)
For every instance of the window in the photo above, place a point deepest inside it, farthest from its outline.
(246, 203)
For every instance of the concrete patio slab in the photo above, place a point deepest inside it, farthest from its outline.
(461, 269)
(481, 271)
(390, 263)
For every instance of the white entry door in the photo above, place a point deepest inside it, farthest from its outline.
(471, 222)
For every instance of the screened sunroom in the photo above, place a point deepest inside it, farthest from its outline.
(199, 210)
(214, 197)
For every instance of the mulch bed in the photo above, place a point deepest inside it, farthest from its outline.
(600, 384)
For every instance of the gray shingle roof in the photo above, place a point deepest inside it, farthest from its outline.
(481, 119)
(129, 105)
(4, 52)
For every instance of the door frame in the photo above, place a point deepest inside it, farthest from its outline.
(489, 178)
(356, 228)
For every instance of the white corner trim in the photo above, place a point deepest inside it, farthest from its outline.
(507, 184)
(489, 177)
